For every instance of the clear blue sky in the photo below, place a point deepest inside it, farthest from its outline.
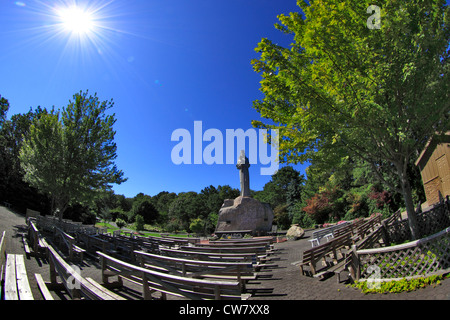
(165, 63)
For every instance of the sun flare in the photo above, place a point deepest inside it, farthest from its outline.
(76, 20)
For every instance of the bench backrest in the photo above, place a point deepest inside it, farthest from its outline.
(188, 266)
(362, 229)
(318, 234)
(93, 243)
(65, 237)
(209, 256)
(270, 239)
(75, 284)
(2, 254)
(192, 240)
(346, 229)
(219, 244)
(371, 239)
(253, 249)
(328, 247)
(190, 288)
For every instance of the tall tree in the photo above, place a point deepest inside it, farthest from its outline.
(70, 154)
(12, 187)
(348, 87)
(275, 192)
(4, 107)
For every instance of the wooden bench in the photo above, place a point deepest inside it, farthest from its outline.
(149, 245)
(2, 252)
(71, 280)
(270, 239)
(122, 247)
(102, 230)
(327, 233)
(231, 245)
(233, 234)
(260, 250)
(319, 234)
(372, 240)
(115, 233)
(93, 243)
(2, 259)
(169, 242)
(167, 284)
(325, 252)
(365, 228)
(69, 243)
(209, 256)
(43, 287)
(227, 243)
(17, 286)
(37, 245)
(239, 271)
(348, 228)
(258, 261)
(192, 240)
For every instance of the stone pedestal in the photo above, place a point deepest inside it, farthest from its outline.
(245, 213)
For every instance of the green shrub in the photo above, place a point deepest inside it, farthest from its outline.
(120, 223)
(397, 286)
(139, 222)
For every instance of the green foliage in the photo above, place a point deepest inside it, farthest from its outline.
(4, 107)
(144, 207)
(344, 90)
(12, 187)
(70, 154)
(120, 223)
(397, 286)
(197, 225)
(285, 184)
(139, 222)
(281, 217)
(302, 218)
(105, 215)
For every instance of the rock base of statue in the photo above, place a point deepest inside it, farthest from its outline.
(245, 213)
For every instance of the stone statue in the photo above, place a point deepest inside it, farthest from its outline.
(243, 164)
(245, 212)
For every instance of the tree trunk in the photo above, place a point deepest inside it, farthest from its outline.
(407, 196)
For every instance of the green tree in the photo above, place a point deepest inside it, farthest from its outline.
(186, 207)
(70, 155)
(120, 223)
(344, 89)
(139, 222)
(197, 226)
(144, 208)
(284, 187)
(4, 107)
(12, 187)
(163, 200)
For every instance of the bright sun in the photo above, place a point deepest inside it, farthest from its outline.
(76, 20)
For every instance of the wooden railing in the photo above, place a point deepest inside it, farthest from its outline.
(424, 257)
(429, 222)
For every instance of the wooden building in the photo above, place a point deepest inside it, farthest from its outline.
(434, 165)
